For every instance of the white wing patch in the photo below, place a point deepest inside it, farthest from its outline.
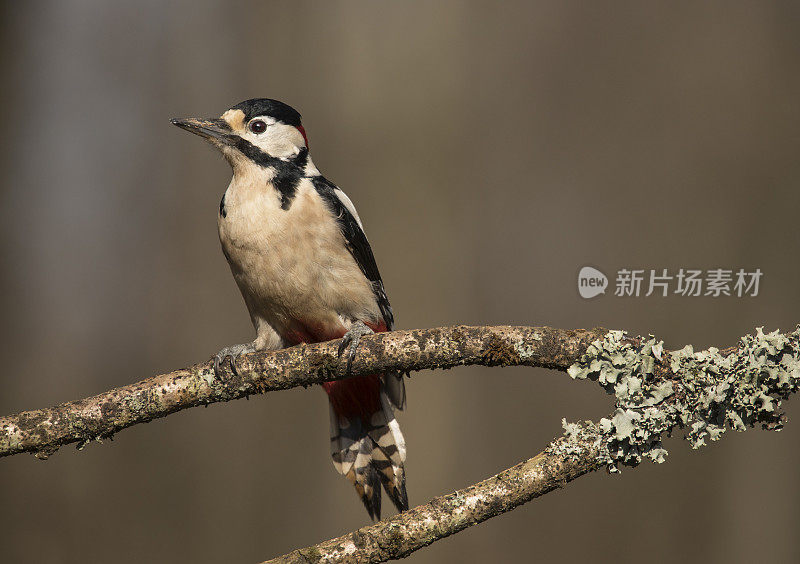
(348, 204)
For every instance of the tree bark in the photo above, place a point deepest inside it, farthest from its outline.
(43, 431)
(411, 530)
(655, 393)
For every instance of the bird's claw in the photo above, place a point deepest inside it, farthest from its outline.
(352, 339)
(233, 353)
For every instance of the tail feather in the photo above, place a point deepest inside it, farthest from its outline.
(364, 477)
(395, 390)
(370, 454)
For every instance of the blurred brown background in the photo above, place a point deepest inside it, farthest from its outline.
(492, 149)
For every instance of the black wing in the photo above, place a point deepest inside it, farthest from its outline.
(357, 244)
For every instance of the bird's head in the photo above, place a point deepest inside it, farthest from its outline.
(257, 131)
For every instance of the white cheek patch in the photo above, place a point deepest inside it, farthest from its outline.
(279, 140)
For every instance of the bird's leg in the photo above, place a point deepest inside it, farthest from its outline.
(233, 352)
(351, 339)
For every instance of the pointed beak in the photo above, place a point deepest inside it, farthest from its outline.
(211, 129)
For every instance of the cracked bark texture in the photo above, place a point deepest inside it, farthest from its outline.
(43, 431)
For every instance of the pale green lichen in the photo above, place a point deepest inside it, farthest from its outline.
(209, 377)
(524, 350)
(578, 439)
(705, 391)
(742, 389)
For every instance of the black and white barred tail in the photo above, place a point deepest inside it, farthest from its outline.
(372, 453)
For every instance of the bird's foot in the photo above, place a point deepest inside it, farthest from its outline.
(351, 339)
(233, 352)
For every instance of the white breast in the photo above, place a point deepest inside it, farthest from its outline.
(290, 264)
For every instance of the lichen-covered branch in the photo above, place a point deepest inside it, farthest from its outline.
(656, 392)
(706, 392)
(565, 459)
(43, 431)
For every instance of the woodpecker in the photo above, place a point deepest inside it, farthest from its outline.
(297, 250)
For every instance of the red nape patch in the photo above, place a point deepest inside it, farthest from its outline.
(302, 130)
(357, 396)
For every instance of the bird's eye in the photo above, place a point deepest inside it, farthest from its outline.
(258, 126)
